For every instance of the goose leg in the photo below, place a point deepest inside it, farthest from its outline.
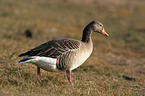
(68, 72)
(38, 72)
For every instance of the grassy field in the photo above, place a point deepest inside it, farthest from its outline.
(123, 53)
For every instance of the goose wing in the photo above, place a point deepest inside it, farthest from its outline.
(54, 48)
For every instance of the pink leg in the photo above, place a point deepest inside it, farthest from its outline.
(69, 75)
(69, 78)
(38, 72)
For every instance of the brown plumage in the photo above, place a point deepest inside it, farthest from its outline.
(65, 53)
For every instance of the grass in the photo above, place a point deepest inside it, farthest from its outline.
(120, 54)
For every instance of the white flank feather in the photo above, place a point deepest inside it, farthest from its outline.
(46, 63)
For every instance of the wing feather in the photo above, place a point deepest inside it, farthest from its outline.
(54, 48)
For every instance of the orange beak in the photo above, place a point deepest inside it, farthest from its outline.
(104, 32)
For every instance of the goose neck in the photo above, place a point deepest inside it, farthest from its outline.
(86, 36)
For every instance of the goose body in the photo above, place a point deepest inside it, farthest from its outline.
(63, 54)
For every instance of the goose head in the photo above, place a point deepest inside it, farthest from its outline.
(96, 26)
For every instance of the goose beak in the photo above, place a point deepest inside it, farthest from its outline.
(104, 32)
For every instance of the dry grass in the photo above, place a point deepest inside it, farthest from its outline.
(120, 54)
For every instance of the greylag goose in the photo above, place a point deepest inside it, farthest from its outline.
(63, 54)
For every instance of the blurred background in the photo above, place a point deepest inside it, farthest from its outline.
(25, 24)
